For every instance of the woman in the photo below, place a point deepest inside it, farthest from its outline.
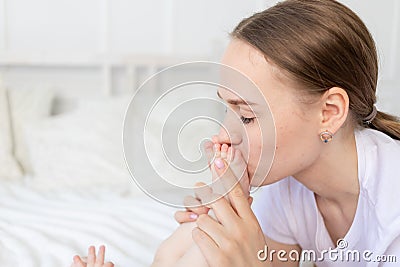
(335, 177)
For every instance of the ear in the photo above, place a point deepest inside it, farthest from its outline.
(334, 109)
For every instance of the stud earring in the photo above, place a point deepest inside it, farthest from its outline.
(326, 136)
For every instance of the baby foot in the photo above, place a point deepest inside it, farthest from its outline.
(236, 163)
(238, 166)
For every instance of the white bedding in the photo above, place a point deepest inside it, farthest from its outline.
(39, 229)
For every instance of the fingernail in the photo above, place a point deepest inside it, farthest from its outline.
(193, 216)
(219, 163)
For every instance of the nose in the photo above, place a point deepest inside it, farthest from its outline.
(228, 136)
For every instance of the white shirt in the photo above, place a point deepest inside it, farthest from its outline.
(288, 213)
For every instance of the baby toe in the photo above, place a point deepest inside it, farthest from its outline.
(224, 150)
(217, 150)
(214, 139)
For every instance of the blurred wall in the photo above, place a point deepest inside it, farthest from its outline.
(88, 47)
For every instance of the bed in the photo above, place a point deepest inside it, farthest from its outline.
(64, 185)
(48, 229)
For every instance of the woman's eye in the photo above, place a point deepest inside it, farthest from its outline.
(246, 120)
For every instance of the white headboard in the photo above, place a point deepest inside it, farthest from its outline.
(78, 76)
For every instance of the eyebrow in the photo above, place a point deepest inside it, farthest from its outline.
(236, 101)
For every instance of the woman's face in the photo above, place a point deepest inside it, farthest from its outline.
(251, 129)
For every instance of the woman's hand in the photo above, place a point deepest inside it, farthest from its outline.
(92, 260)
(236, 237)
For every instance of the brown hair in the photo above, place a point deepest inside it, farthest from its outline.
(322, 44)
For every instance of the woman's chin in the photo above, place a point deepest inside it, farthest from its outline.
(258, 180)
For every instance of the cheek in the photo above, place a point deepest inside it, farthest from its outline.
(262, 150)
(297, 146)
(254, 159)
(253, 151)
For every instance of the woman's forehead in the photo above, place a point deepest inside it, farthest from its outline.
(244, 57)
(253, 74)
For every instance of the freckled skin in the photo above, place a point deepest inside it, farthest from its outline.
(293, 125)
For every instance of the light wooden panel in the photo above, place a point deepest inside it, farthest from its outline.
(105, 35)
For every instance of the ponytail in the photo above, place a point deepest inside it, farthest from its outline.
(387, 124)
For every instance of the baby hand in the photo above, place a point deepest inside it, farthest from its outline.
(92, 260)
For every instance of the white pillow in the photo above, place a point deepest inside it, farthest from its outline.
(9, 169)
(81, 150)
(27, 106)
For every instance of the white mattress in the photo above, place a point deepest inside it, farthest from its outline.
(48, 229)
